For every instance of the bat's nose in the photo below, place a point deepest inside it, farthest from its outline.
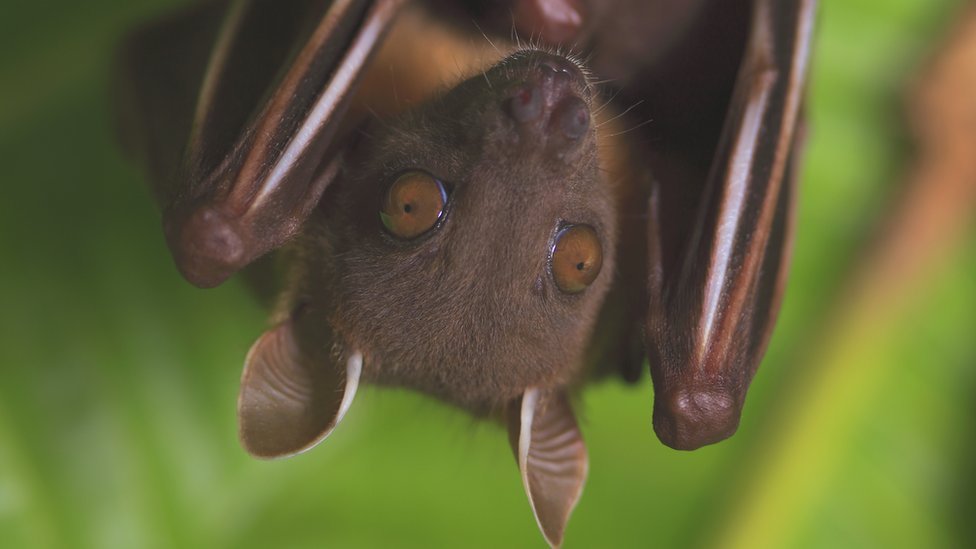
(572, 118)
(550, 101)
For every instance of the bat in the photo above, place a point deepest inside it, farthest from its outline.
(486, 244)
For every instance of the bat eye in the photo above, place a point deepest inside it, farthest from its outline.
(576, 258)
(413, 205)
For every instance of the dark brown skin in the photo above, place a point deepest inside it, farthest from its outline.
(715, 296)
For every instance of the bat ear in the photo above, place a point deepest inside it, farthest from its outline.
(290, 399)
(551, 456)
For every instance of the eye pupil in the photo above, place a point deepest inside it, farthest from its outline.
(413, 204)
(576, 258)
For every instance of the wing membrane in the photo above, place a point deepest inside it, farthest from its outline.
(711, 310)
(257, 157)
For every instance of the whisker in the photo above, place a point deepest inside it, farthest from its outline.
(396, 94)
(515, 34)
(486, 37)
(602, 107)
(644, 123)
(624, 113)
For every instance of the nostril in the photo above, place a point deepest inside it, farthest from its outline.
(573, 118)
(526, 104)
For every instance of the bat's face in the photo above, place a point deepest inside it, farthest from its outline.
(468, 248)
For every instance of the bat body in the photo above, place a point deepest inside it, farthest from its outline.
(482, 242)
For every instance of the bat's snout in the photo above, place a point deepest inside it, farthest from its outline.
(550, 104)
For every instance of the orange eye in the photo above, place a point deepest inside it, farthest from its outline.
(576, 258)
(413, 205)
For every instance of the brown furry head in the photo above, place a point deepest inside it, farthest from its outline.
(469, 311)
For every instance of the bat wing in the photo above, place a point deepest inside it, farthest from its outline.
(713, 302)
(233, 107)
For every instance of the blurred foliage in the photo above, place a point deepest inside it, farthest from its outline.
(118, 380)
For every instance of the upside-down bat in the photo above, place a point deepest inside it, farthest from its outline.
(483, 241)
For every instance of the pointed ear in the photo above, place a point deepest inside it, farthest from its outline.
(291, 400)
(551, 456)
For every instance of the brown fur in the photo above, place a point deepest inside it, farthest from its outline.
(468, 313)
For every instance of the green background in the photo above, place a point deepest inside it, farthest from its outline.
(118, 380)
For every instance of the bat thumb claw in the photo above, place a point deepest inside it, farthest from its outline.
(689, 418)
(207, 247)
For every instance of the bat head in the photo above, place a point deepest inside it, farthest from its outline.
(464, 252)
